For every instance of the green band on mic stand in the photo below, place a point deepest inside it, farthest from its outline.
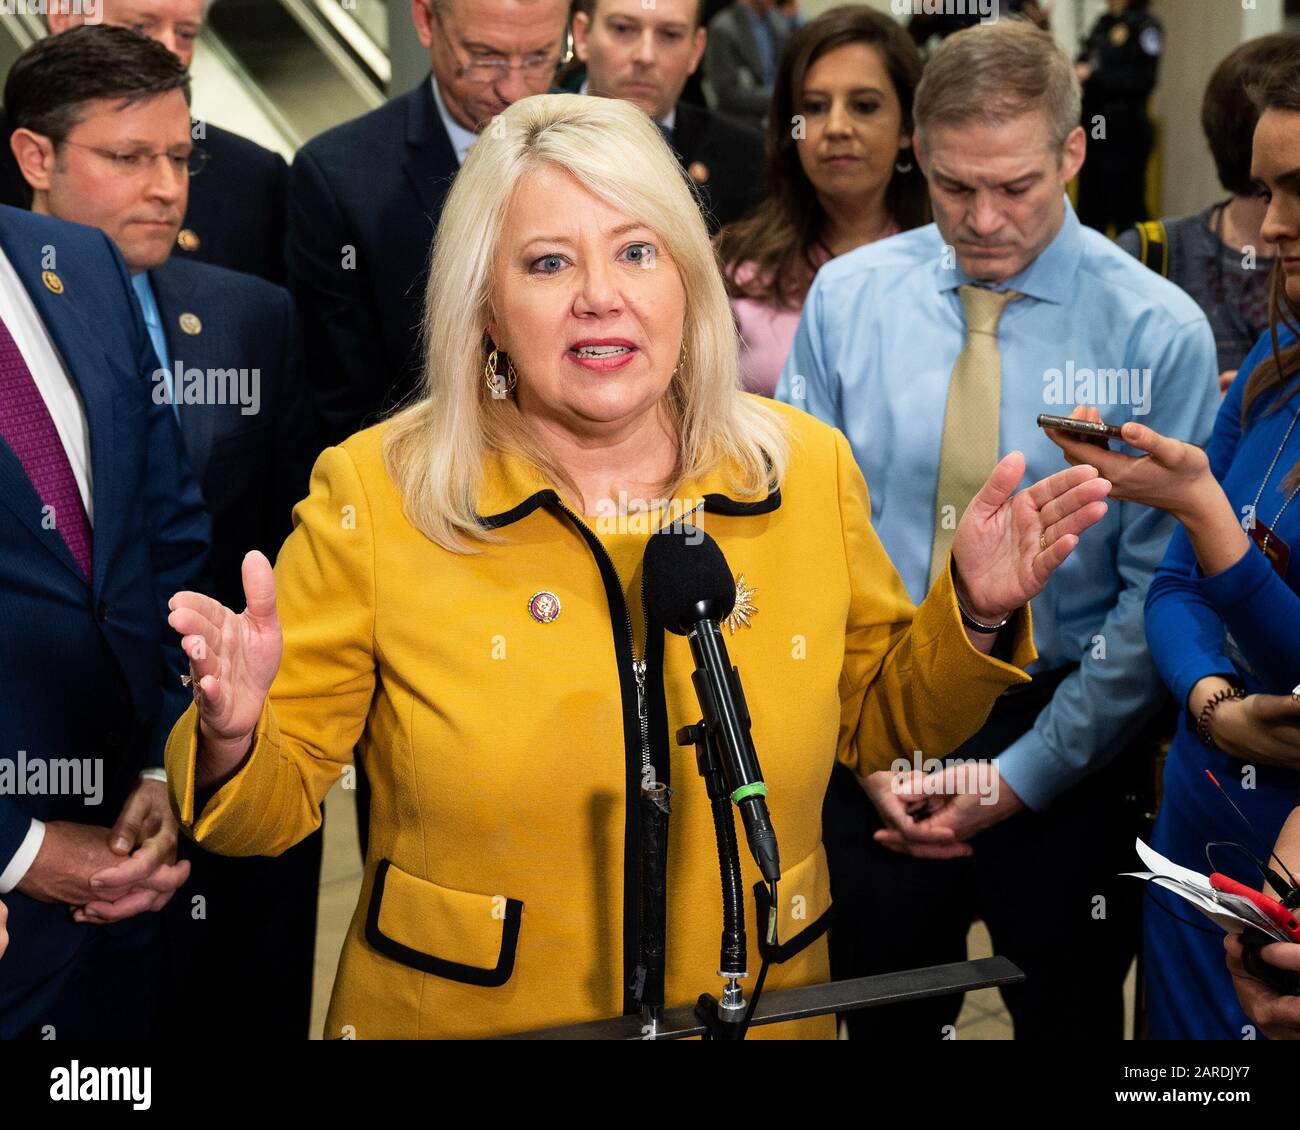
(756, 789)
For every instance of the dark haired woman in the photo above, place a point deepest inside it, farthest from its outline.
(1223, 612)
(840, 172)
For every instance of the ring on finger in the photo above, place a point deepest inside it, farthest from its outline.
(1042, 541)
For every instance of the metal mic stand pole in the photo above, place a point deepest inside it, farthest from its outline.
(723, 1018)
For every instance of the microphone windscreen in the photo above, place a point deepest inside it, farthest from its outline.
(687, 578)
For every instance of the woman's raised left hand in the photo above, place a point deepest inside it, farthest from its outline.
(1008, 542)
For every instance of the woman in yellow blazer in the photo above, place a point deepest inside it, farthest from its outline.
(460, 599)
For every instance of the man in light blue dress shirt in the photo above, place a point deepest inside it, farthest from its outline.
(882, 329)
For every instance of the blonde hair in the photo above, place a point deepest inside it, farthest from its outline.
(992, 72)
(435, 448)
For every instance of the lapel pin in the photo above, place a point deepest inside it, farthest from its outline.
(191, 324)
(187, 239)
(699, 172)
(52, 282)
(544, 607)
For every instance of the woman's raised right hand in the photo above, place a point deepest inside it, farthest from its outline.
(233, 658)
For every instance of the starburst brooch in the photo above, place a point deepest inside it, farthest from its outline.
(744, 608)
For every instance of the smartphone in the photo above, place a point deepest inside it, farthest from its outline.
(1283, 980)
(1083, 429)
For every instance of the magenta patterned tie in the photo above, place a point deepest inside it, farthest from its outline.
(28, 429)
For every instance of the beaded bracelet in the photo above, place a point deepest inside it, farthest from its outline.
(1207, 712)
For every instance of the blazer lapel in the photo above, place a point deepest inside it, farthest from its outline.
(430, 162)
(177, 295)
(686, 132)
(84, 362)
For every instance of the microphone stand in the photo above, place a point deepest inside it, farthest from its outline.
(722, 1018)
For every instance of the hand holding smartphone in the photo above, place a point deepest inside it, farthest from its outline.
(1086, 430)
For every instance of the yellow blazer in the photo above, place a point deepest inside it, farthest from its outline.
(504, 752)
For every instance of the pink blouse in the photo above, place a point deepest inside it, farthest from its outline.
(767, 331)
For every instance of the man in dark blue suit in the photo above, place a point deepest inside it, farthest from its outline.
(236, 213)
(365, 198)
(102, 137)
(100, 522)
(644, 54)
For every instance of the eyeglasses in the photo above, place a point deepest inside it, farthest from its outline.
(493, 68)
(133, 162)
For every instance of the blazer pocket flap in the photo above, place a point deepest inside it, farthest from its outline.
(804, 914)
(453, 934)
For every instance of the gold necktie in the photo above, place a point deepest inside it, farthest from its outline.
(970, 447)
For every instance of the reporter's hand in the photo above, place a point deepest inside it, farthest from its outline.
(146, 874)
(1259, 727)
(1276, 1013)
(4, 932)
(1170, 475)
(908, 813)
(234, 659)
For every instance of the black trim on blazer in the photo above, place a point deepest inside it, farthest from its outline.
(722, 504)
(623, 652)
(427, 963)
(784, 951)
(517, 513)
(713, 504)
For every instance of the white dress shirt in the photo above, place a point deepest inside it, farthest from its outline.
(461, 138)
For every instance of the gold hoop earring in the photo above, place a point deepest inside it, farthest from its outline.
(492, 377)
(682, 361)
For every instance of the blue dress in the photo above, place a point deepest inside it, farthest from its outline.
(1243, 622)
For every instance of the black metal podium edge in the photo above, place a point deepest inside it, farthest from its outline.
(808, 1000)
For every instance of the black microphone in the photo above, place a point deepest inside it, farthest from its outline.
(688, 589)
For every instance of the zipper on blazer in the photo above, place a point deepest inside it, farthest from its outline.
(635, 769)
(638, 665)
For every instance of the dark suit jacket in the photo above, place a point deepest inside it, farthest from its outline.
(91, 670)
(253, 467)
(364, 202)
(724, 159)
(733, 67)
(236, 206)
